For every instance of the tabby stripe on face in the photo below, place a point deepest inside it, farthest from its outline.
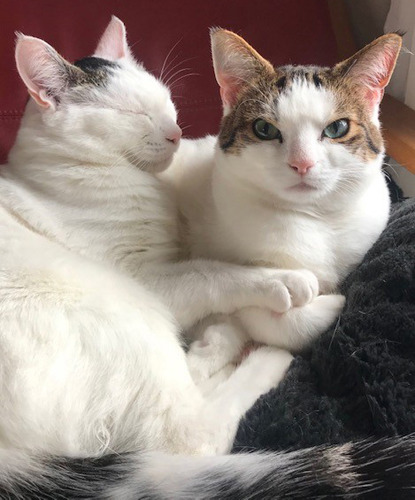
(317, 80)
(369, 141)
(351, 140)
(281, 82)
(226, 145)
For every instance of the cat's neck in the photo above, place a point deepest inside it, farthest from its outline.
(328, 237)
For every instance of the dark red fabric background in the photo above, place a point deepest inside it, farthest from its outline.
(284, 31)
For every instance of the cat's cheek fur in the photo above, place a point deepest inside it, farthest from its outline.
(264, 168)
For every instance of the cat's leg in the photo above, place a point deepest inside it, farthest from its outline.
(296, 328)
(212, 428)
(195, 289)
(214, 356)
(261, 371)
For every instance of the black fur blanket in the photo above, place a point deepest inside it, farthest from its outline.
(359, 378)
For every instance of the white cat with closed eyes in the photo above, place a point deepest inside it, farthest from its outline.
(93, 296)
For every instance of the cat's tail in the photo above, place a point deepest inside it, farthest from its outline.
(369, 469)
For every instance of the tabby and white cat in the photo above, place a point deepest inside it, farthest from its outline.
(91, 360)
(295, 180)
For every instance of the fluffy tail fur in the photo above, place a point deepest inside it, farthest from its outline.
(369, 469)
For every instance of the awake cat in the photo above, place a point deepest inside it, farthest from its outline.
(90, 296)
(294, 181)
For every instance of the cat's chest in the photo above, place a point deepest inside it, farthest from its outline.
(293, 242)
(127, 232)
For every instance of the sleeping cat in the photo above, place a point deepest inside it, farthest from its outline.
(90, 297)
(93, 296)
(295, 181)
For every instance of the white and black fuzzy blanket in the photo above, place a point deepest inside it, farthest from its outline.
(358, 380)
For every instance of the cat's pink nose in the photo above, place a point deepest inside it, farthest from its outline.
(174, 134)
(302, 165)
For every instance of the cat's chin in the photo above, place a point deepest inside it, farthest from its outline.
(154, 167)
(301, 193)
(303, 187)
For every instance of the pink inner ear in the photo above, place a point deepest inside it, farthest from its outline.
(34, 65)
(374, 96)
(229, 88)
(113, 43)
(373, 69)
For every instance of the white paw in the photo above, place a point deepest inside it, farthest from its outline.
(220, 345)
(223, 340)
(325, 309)
(295, 329)
(284, 289)
(302, 285)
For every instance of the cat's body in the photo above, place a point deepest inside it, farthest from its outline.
(235, 225)
(296, 200)
(92, 304)
(93, 295)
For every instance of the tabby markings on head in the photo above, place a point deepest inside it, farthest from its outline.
(260, 100)
(95, 71)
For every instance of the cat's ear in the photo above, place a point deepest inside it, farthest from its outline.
(372, 67)
(113, 43)
(44, 72)
(236, 64)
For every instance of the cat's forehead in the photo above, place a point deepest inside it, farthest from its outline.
(304, 99)
(286, 76)
(121, 84)
(95, 71)
(292, 91)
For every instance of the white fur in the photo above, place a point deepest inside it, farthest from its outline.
(248, 208)
(93, 295)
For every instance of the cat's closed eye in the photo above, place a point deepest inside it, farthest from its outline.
(337, 129)
(266, 131)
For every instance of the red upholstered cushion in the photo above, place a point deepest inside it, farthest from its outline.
(284, 31)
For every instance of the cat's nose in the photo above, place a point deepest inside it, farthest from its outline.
(174, 134)
(302, 166)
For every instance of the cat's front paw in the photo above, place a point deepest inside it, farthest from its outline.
(285, 289)
(302, 286)
(295, 329)
(220, 345)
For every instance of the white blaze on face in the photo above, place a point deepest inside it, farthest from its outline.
(303, 111)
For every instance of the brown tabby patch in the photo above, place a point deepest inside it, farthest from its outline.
(260, 98)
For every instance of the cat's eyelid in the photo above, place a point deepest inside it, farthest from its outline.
(127, 111)
(337, 120)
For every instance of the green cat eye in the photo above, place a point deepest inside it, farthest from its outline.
(337, 129)
(266, 131)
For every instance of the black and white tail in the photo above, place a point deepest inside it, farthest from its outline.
(383, 469)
